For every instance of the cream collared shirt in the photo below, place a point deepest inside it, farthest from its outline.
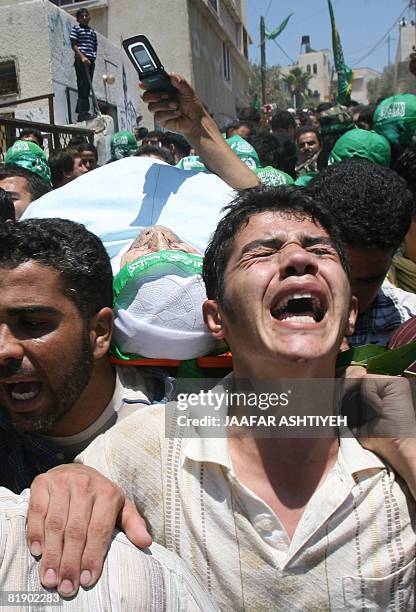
(353, 549)
(154, 580)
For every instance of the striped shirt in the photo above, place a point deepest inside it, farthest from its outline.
(86, 40)
(391, 308)
(353, 549)
(154, 580)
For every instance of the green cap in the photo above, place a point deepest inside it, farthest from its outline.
(241, 147)
(28, 155)
(364, 144)
(245, 151)
(305, 179)
(336, 120)
(123, 144)
(395, 118)
(192, 162)
(271, 177)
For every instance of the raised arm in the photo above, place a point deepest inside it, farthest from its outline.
(184, 113)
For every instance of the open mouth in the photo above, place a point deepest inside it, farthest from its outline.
(299, 307)
(23, 391)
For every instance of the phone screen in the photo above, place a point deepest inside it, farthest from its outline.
(143, 59)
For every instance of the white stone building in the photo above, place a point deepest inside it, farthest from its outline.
(361, 78)
(36, 59)
(204, 40)
(318, 65)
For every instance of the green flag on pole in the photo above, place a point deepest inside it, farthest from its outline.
(279, 29)
(344, 72)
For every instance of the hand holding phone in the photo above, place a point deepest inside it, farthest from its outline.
(149, 67)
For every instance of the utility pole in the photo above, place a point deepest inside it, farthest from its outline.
(263, 59)
(388, 51)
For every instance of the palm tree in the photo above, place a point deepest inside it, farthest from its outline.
(297, 81)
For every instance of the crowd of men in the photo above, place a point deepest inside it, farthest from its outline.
(314, 256)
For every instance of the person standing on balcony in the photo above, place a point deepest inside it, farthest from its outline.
(84, 45)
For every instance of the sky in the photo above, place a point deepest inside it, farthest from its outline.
(361, 25)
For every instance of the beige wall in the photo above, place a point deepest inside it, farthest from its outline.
(405, 80)
(38, 29)
(23, 37)
(188, 36)
(361, 77)
(222, 97)
(166, 26)
(321, 81)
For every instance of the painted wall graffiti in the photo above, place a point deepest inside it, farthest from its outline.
(128, 114)
(55, 22)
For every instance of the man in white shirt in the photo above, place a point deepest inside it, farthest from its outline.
(132, 580)
(306, 523)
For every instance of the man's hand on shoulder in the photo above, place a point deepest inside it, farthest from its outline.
(387, 424)
(73, 511)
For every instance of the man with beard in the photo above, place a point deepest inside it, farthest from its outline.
(58, 390)
(308, 146)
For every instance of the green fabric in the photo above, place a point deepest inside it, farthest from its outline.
(188, 263)
(30, 156)
(241, 147)
(380, 360)
(272, 177)
(344, 72)
(245, 151)
(364, 144)
(305, 179)
(124, 291)
(336, 120)
(123, 144)
(192, 162)
(395, 118)
(275, 33)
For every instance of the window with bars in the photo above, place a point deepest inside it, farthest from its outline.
(8, 78)
(226, 62)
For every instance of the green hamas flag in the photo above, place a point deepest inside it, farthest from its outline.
(279, 29)
(344, 71)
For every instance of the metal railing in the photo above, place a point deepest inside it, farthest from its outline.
(48, 97)
(58, 136)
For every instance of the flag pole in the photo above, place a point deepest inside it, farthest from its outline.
(263, 59)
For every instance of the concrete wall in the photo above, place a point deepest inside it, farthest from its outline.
(320, 81)
(166, 26)
(361, 77)
(405, 80)
(37, 33)
(123, 94)
(24, 38)
(222, 97)
(187, 35)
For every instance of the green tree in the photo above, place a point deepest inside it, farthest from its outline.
(382, 86)
(274, 94)
(297, 81)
